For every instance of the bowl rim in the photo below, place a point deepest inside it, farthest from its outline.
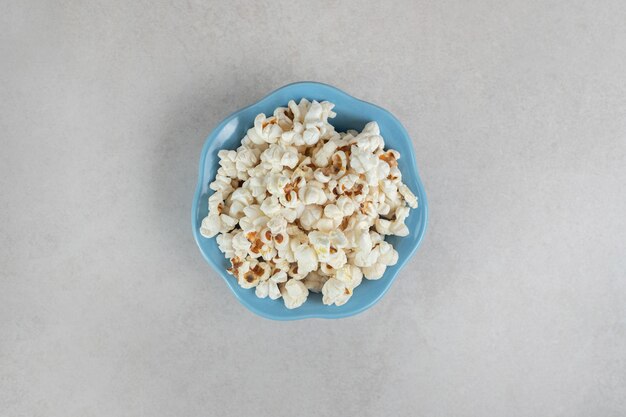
(323, 315)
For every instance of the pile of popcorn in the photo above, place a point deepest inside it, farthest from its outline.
(299, 207)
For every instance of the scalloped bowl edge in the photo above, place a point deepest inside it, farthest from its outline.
(326, 312)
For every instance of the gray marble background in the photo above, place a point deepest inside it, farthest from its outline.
(514, 305)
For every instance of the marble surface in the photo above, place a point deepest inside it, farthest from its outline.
(514, 305)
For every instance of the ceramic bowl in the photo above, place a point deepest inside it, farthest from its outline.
(352, 113)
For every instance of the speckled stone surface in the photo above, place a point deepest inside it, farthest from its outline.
(514, 305)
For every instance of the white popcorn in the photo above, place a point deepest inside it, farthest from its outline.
(345, 205)
(290, 199)
(290, 157)
(257, 187)
(298, 110)
(338, 165)
(239, 199)
(254, 219)
(321, 158)
(251, 272)
(347, 182)
(269, 286)
(369, 139)
(339, 289)
(299, 207)
(363, 255)
(210, 225)
(310, 215)
(325, 224)
(310, 194)
(332, 211)
(226, 223)
(306, 259)
(246, 159)
(277, 224)
(321, 177)
(378, 173)
(240, 244)
(361, 160)
(227, 162)
(336, 292)
(350, 275)
(225, 244)
(398, 227)
(294, 293)
(409, 197)
(283, 118)
(311, 136)
(222, 183)
(386, 256)
(321, 244)
(315, 281)
(264, 130)
(326, 270)
(375, 271)
(276, 183)
(270, 206)
(271, 158)
(376, 238)
(337, 258)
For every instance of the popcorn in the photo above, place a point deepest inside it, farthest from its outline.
(299, 207)
(332, 211)
(409, 197)
(239, 199)
(315, 281)
(269, 286)
(227, 162)
(361, 160)
(276, 184)
(251, 272)
(321, 158)
(350, 275)
(240, 244)
(290, 157)
(210, 225)
(323, 178)
(386, 256)
(277, 224)
(311, 194)
(378, 173)
(345, 205)
(335, 292)
(310, 216)
(369, 139)
(222, 183)
(245, 160)
(294, 293)
(338, 165)
(226, 223)
(264, 130)
(311, 136)
(306, 258)
(271, 206)
(321, 244)
(326, 270)
(398, 227)
(225, 244)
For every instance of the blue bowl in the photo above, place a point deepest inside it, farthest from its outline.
(352, 113)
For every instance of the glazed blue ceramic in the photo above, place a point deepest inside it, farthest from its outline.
(352, 113)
